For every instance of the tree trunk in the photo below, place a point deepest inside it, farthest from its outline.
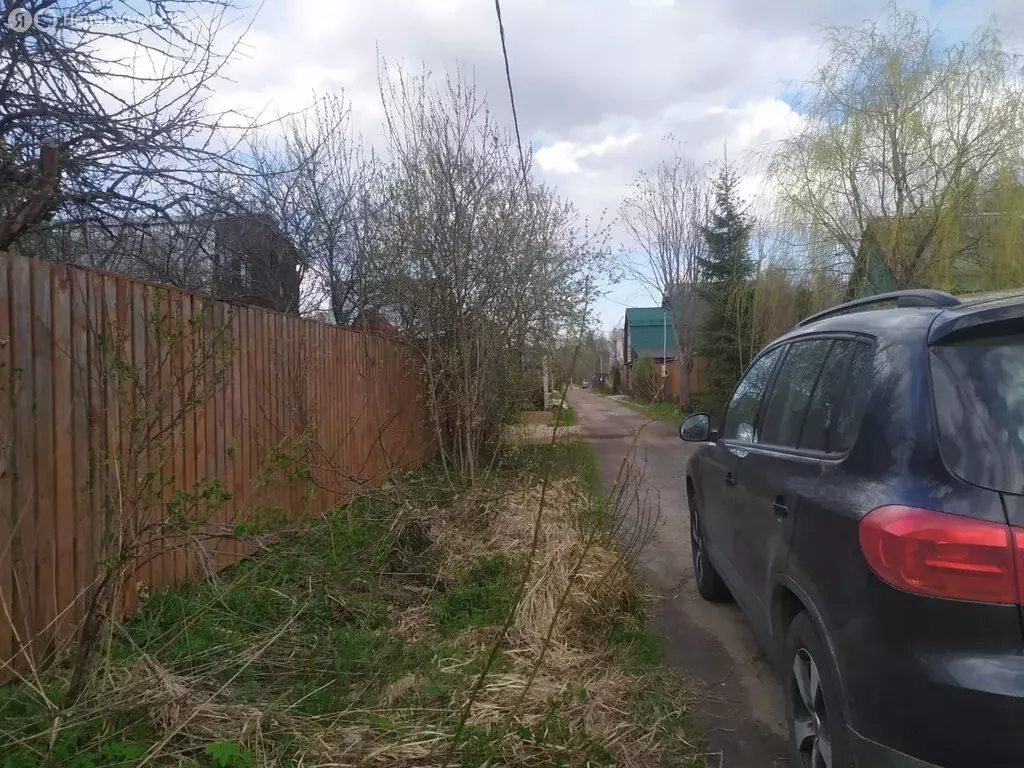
(546, 384)
(685, 366)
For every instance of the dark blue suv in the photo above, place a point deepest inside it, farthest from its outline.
(862, 499)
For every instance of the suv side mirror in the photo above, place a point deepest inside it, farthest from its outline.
(695, 428)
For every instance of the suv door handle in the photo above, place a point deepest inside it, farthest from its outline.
(730, 479)
(781, 510)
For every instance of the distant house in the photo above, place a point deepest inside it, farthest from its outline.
(239, 258)
(371, 321)
(648, 331)
(970, 249)
(254, 263)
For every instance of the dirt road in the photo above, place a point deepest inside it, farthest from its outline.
(741, 706)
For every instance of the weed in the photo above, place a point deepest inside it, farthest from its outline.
(565, 416)
(634, 641)
(230, 754)
(670, 413)
(299, 647)
(483, 597)
(113, 741)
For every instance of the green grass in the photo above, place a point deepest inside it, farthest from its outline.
(666, 412)
(307, 630)
(565, 417)
(482, 598)
(572, 459)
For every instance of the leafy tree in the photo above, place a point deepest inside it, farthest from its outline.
(907, 162)
(727, 270)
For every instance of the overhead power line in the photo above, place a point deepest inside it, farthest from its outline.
(511, 93)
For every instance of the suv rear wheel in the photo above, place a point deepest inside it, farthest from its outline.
(709, 583)
(814, 709)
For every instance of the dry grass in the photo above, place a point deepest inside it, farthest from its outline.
(594, 701)
(539, 433)
(537, 417)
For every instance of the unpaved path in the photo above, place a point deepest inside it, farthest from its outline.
(740, 705)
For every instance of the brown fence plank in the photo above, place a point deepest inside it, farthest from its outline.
(63, 439)
(178, 362)
(42, 405)
(7, 438)
(97, 426)
(249, 364)
(236, 479)
(24, 464)
(113, 456)
(217, 447)
(190, 474)
(208, 468)
(199, 308)
(79, 441)
(136, 353)
(160, 442)
(80, 462)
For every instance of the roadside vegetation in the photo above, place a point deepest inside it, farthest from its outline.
(900, 177)
(565, 416)
(362, 641)
(670, 413)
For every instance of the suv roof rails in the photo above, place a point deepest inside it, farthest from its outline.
(917, 297)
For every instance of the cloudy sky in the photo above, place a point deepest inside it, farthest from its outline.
(598, 83)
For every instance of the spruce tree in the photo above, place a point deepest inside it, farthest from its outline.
(726, 274)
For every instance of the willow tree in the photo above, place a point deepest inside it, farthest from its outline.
(907, 159)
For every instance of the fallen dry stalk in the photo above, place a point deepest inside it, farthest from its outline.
(556, 660)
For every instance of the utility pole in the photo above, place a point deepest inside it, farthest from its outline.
(664, 344)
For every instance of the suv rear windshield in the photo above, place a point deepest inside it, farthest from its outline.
(979, 404)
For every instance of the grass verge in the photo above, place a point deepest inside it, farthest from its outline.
(356, 643)
(667, 412)
(565, 416)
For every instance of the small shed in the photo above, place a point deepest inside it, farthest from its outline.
(648, 331)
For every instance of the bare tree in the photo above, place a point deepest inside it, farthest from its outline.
(902, 143)
(483, 268)
(340, 187)
(664, 213)
(104, 118)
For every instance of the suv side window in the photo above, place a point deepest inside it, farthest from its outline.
(741, 414)
(839, 399)
(791, 394)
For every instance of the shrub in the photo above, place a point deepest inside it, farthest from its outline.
(646, 381)
(616, 380)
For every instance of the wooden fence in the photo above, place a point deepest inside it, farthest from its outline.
(125, 407)
(698, 373)
(673, 392)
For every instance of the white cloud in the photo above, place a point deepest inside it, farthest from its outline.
(598, 83)
(564, 156)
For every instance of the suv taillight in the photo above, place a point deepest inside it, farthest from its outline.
(933, 553)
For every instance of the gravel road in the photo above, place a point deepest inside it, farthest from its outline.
(740, 707)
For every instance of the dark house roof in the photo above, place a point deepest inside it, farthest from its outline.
(370, 321)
